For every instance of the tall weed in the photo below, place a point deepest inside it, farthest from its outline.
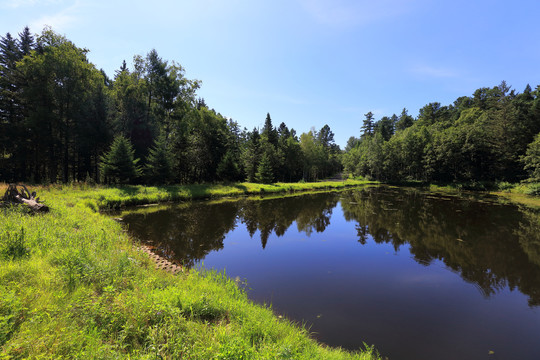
(13, 245)
(11, 310)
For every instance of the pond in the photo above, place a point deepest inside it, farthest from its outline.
(419, 275)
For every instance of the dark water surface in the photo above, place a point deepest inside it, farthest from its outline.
(419, 275)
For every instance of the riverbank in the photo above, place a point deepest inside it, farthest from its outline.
(520, 194)
(116, 197)
(524, 194)
(73, 286)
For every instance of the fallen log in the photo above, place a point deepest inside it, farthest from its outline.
(13, 195)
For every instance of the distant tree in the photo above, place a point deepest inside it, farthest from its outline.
(123, 67)
(119, 165)
(251, 154)
(313, 155)
(283, 131)
(64, 108)
(531, 160)
(434, 113)
(201, 103)
(10, 116)
(352, 143)
(385, 127)
(269, 131)
(368, 124)
(325, 136)
(26, 42)
(207, 140)
(158, 163)
(265, 172)
(293, 159)
(461, 104)
(404, 121)
(227, 169)
(129, 111)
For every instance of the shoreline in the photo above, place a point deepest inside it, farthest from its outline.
(73, 285)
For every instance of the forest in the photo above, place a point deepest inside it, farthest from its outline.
(64, 120)
(490, 136)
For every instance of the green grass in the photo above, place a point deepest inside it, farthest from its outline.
(116, 197)
(72, 286)
(524, 194)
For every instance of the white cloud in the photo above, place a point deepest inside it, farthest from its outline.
(57, 22)
(61, 20)
(360, 12)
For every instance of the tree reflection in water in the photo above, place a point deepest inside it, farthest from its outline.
(187, 234)
(489, 244)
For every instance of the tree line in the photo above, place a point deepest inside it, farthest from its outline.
(62, 120)
(492, 135)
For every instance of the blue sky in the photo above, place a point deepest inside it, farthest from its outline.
(308, 62)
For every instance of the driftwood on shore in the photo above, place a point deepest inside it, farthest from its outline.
(23, 196)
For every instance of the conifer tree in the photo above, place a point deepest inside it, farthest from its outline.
(119, 165)
(265, 173)
(11, 115)
(251, 154)
(228, 168)
(159, 163)
(368, 123)
(269, 131)
(26, 42)
(404, 121)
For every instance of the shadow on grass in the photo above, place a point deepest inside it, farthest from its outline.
(241, 187)
(172, 191)
(129, 190)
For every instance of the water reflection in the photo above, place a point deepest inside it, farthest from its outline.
(358, 277)
(187, 234)
(529, 235)
(311, 213)
(477, 239)
(487, 243)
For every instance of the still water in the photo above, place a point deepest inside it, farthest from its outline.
(419, 275)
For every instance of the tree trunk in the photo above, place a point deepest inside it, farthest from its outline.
(24, 197)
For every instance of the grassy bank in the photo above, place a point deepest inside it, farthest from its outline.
(116, 197)
(525, 194)
(72, 286)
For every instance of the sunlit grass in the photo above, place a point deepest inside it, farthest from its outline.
(73, 286)
(529, 201)
(115, 197)
(525, 194)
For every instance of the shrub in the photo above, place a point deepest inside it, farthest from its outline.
(504, 186)
(533, 189)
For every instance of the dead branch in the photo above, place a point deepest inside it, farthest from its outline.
(23, 196)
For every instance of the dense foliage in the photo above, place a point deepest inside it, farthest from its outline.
(486, 137)
(59, 115)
